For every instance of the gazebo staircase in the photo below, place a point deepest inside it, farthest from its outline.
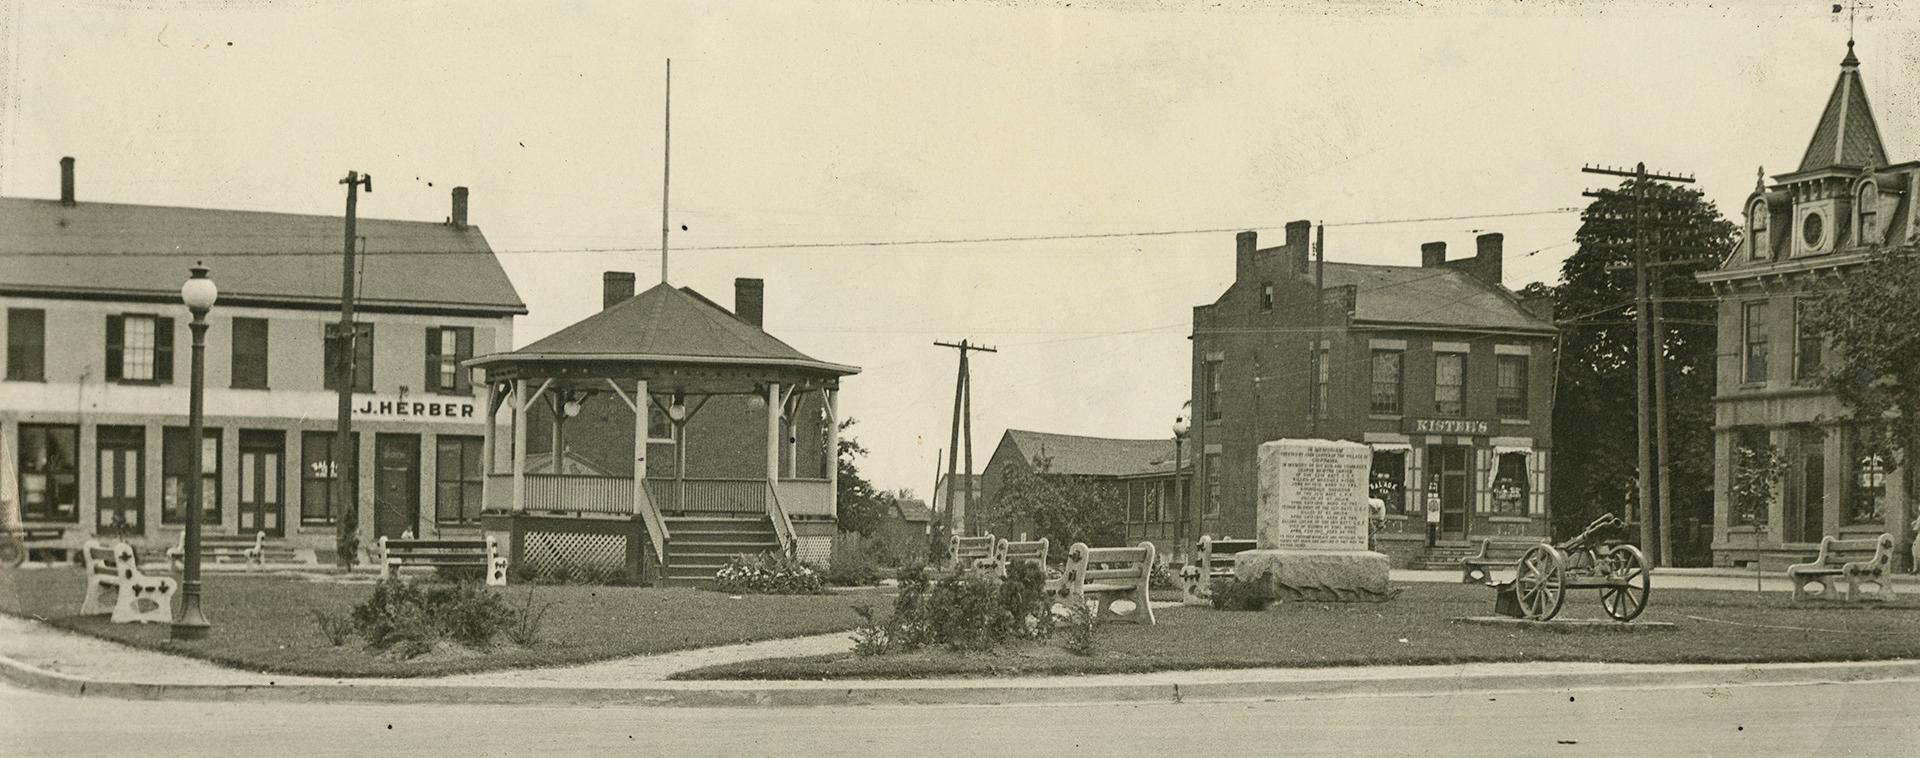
(703, 543)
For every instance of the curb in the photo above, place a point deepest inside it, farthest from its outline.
(1165, 687)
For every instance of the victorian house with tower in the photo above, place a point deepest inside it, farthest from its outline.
(1803, 230)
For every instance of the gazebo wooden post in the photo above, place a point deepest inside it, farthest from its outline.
(641, 407)
(773, 436)
(833, 449)
(519, 445)
(487, 437)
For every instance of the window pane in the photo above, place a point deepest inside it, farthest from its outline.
(136, 357)
(26, 344)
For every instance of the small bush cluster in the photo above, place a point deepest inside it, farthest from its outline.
(1236, 595)
(1164, 577)
(854, 561)
(961, 611)
(617, 576)
(769, 574)
(408, 621)
(336, 627)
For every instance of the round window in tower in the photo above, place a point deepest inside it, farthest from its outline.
(1813, 229)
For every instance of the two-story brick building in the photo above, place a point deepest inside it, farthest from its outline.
(1445, 373)
(1820, 221)
(93, 401)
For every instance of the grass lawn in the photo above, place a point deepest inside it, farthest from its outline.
(263, 623)
(1415, 628)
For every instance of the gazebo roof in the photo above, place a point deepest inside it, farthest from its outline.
(664, 325)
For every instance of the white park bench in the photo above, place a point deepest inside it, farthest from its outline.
(134, 596)
(1855, 562)
(219, 548)
(482, 554)
(1106, 574)
(1213, 559)
(970, 553)
(1009, 552)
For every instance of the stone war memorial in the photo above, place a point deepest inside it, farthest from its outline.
(1312, 524)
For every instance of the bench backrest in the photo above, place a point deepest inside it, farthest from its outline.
(100, 559)
(1835, 551)
(1216, 553)
(1111, 565)
(1499, 548)
(971, 548)
(404, 548)
(1007, 552)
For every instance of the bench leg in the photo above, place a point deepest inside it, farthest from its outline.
(145, 599)
(1799, 587)
(1193, 586)
(97, 600)
(1143, 604)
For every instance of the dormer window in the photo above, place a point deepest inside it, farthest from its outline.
(1869, 213)
(1757, 231)
(1813, 230)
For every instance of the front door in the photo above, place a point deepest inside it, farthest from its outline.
(121, 498)
(396, 484)
(1448, 464)
(261, 456)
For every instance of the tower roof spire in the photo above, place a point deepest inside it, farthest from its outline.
(1846, 135)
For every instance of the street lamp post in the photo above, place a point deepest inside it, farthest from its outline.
(199, 294)
(1181, 425)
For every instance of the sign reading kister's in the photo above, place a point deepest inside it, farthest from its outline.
(1467, 426)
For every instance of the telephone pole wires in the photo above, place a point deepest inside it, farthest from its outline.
(962, 424)
(1644, 384)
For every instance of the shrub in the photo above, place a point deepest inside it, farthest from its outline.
(408, 621)
(962, 611)
(1163, 577)
(570, 573)
(1236, 595)
(1078, 631)
(769, 574)
(523, 621)
(854, 561)
(334, 626)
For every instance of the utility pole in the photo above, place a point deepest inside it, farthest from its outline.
(1642, 356)
(962, 421)
(666, 169)
(347, 543)
(1314, 401)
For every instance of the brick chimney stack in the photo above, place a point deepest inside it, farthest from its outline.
(460, 219)
(1433, 254)
(66, 181)
(1487, 258)
(749, 300)
(1244, 245)
(1300, 246)
(615, 288)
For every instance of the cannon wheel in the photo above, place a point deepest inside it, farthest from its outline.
(1540, 581)
(1624, 601)
(12, 553)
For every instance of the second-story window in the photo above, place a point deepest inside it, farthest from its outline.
(1266, 296)
(1449, 383)
(1320, 382)
(249, 353)
(1869, 221)
(447, 346)
(1759, 242)
(1807, 345)
(362, 358)
(26, 344)
(1387, 378)
(139, 349)
(1210, 379)
(1753, 329)
(1510, 397)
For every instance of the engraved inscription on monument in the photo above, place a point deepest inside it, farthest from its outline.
(1318, 492)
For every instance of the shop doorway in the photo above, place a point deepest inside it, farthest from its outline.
(1447, 464)
(262, 456)
(121, 496)
(396, 484)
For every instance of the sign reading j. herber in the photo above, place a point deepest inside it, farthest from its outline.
(1467, 426)
(412, 408)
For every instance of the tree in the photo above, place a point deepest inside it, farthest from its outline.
(1594, 464)
(1874, 364)
(861, 508)
(1064, 509)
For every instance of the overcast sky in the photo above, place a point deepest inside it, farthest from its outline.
(838, 121)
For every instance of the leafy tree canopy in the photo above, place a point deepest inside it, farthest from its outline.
(1868, 318)
(1064, 509)
(861, 507)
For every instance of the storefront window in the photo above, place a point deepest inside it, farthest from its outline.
(1510, 484)
(1869, 484)
(317, 470)
(1213, 484)
(174, 452)
(457, 480)
(49, 473)
(1389, 479)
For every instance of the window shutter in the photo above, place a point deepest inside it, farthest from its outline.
(433, 360)
(115, 342)
(462, 376)
(163, 350)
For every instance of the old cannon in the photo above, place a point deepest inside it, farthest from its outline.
(1545, 573)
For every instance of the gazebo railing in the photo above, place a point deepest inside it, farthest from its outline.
(709, 495)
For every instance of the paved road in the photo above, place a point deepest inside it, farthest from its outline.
(1862, 719)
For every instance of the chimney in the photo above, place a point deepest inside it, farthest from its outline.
(66, 181)
(1244, 245)
(749, 300)
(1299, 246)
(1432, 254)
(460, 221)
(1487, 259)
(615, 288)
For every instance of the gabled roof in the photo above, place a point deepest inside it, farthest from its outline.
(1094, 456)
(1846, 135)
(143, 251)
(668, 325)
(1439, 296)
